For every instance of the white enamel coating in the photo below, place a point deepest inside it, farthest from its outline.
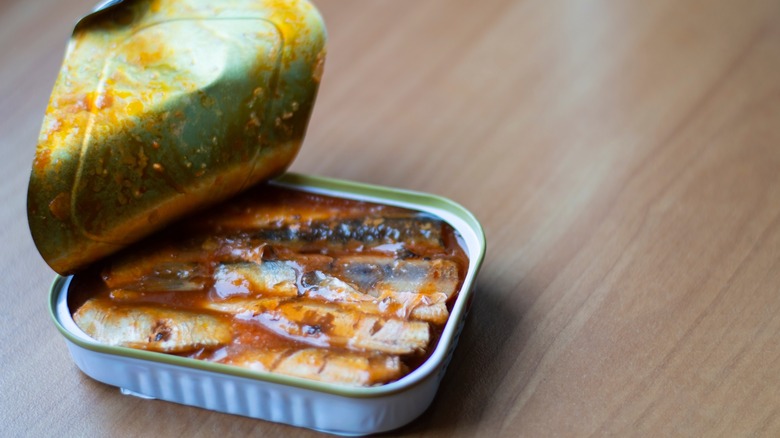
(256, 398)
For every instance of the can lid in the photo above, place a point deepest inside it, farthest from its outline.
(163, 107)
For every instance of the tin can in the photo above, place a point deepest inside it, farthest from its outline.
(300, 402)
(165, 107)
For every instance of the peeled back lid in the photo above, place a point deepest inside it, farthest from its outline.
(163, 107)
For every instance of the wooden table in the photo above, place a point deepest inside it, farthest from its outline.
(623, 157)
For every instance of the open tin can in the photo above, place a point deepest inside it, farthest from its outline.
(117, 162)
(301, 402)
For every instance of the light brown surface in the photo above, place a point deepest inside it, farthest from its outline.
(623, 157)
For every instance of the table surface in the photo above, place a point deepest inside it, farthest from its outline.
(622, 156)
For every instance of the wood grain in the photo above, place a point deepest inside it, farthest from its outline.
(623, 157)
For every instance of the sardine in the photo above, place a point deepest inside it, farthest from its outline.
(165, 270)
(179, 267)
(377, 275)
(275, 278)
(151, 328)
(283, 278)
(404, 305)
(417, 289)
(328, 325)
(370, 231)
(192, 267)
(323, 365)
(275, 207)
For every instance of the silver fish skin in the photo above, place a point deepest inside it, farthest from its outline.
(376, 275)
(328, 325)
(186, 267)
(164, 270)
(369, 231)
(274, 278)
(403, 305)
(151, 328)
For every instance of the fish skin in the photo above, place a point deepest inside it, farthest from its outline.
(280, 278)
(151, 328)
(404, 305)
(323, 365)
(417, 289)
(328, 325)
(276, 278)
(375, 284)
(185, 281)
(191, 268)
(164, 270)
(378, 274)
(370, 231)
(179, 267)
(252, 214)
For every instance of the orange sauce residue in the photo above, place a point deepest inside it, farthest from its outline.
(134, 108)
(42, 159)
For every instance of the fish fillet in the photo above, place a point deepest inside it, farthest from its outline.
(180, 267)
(403, 305)
(323, 365)
(171, 270)
(151, 328)
(279, 278)
(324, 325)
(376, 275)
(366, 231)
(267, 278)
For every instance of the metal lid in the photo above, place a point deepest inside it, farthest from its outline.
(163, 107)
